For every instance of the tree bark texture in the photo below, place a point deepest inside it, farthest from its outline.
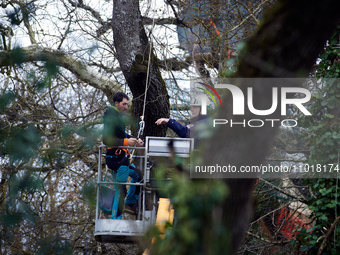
(133, 49)
(286, 45)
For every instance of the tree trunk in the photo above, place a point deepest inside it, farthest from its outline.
(286, 45)
(133, 49)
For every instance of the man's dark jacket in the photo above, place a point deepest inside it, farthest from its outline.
(114, 130)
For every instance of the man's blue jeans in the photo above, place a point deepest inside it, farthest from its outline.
(121, 175)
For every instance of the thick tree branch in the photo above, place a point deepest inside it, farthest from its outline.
(78, 68)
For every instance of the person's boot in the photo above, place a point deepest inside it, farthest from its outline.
(130, 209)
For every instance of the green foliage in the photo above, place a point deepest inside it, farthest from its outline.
(324, 136)
(324, 206)
(21, 148)
(28, 183)
(54, 245)
(22, 143)
(6, 99)
(15, 210)
(231, 63)
(198, 227)
(42, 81)
(89, 193)
(19, 142)
(51, 68)
(14, 16)
(22, 13)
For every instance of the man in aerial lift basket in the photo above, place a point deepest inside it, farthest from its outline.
(118, 159)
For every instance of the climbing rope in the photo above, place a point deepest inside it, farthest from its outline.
(147, 84)
(148, 70)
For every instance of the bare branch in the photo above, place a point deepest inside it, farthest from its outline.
(163, 21)
(266, 240)
(286, 193)
(326, 236)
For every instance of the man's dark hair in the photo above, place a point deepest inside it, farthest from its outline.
(118, 97)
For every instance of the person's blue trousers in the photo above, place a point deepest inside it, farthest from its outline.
(121, 175)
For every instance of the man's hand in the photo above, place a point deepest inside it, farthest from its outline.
(162, 121)
(134, 141)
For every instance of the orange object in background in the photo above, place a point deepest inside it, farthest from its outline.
(289, 222)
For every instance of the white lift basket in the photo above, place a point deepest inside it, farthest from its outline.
(118, 231)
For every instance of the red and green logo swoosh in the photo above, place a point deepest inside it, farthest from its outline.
(209, 93)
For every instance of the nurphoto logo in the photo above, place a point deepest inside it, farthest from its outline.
(283, 97)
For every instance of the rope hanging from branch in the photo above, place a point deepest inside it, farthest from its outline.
(147, 84)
